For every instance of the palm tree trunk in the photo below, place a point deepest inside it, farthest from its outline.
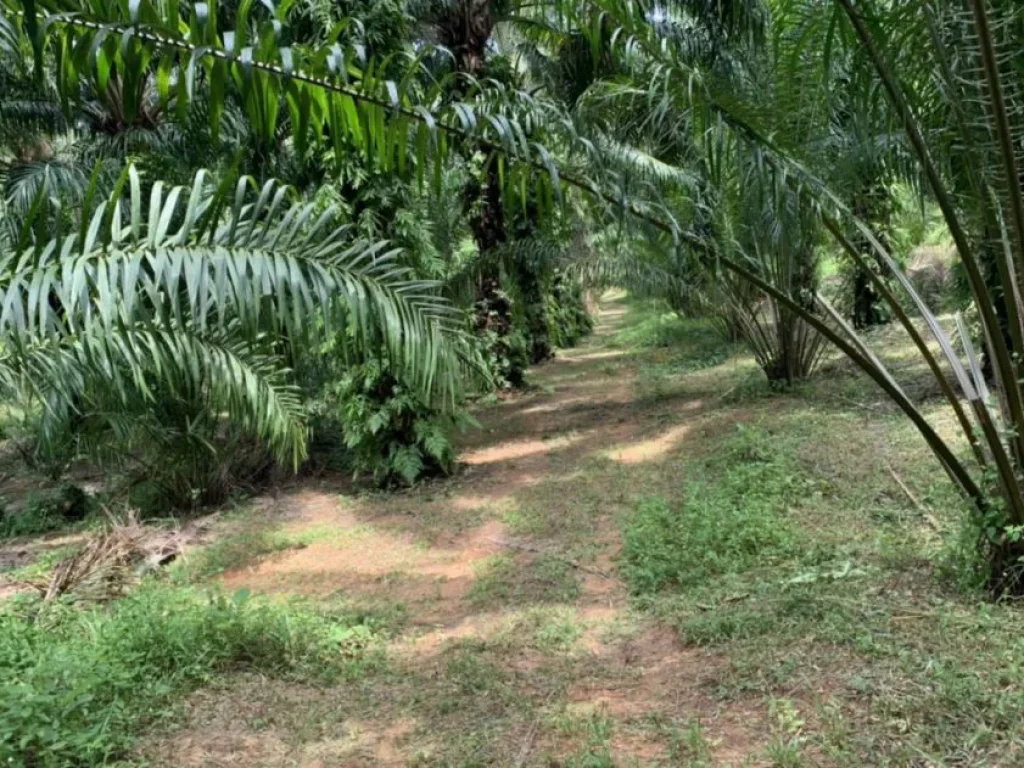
(990, 254)
(874, 205)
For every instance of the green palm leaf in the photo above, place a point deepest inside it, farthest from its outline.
(181, 287)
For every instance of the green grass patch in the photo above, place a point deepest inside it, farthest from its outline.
(727, 524)
(506, 581)
(77, 684)
(593, 730)
(43, 564)
(649, 325)
(230, 552)
(549, 628)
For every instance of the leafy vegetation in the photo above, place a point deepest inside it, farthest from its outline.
(245, 241)
(739, 520)
(78, 683)
(391, 432)
(45, 512)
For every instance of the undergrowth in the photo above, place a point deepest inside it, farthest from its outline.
(393, 434)
(794, 552)
(77, 684)
(731, 523)
(44, 512)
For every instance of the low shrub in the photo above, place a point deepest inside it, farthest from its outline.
(45, 512)
(392, 432)
(186, 472)
(77, 685)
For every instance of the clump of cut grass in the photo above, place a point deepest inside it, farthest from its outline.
(76, 685)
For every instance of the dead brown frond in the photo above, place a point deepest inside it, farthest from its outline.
(105, 567)
(112, 561)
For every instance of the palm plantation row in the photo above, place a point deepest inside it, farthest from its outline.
(241, 236)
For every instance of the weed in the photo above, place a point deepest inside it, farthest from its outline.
(391, 431)
(43, 564)
(77, 684)
(688, 743)
(654, 327)
(473, 686)
(594, 730)
(786, 749)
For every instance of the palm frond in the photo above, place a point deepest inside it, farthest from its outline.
(149, 282)
(112, 380)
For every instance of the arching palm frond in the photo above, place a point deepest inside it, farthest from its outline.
(193, 288)
(20, 114)
(25, 182)
(113, 380)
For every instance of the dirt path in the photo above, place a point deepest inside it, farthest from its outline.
(517, 643)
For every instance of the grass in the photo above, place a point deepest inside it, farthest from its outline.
(249, 536)
(235, 550)
(737, 521)
(79, 683)
(797, 556)
(505, 581)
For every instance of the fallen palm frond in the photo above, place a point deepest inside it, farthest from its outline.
(111, 562)
(103, 568)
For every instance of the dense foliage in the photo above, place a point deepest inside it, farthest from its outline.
(244, 239)
(392, 433)
(212, 237)
(714, 151)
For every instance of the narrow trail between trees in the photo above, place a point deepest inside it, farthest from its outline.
(516, 641)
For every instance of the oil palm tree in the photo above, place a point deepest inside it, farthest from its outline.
(188, 302)
(953, 61)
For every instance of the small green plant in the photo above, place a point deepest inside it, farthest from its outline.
(690, 745)
(786, 749)
(76, 685)
(45, 512)
(595, 730)
(724, 526)
(393, 433)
